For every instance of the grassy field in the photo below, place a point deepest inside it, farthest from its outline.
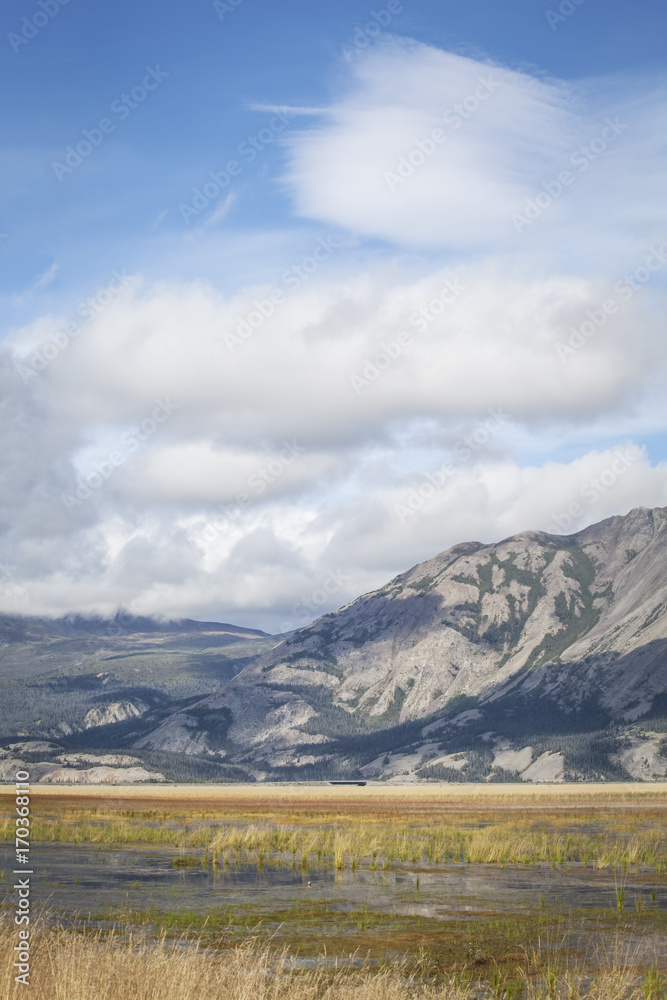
(113, 966)
(604, 826)
(419, 795)
(549, 951)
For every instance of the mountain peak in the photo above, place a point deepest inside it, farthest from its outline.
(576, 620)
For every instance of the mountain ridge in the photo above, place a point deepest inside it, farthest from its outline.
(538, 657)
(576, 621)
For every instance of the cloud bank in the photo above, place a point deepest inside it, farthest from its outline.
(267, 454)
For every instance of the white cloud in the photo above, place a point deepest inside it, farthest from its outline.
(327, 367)
(270, 471)
(269, 566)
(373, 167)
(47, 277)
(302, 417)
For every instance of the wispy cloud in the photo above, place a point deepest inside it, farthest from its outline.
(46, 278)
(432, 149)
(289, 109)
(41, 281)
(220, 212)
(159, 218)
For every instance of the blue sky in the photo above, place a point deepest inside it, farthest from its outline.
(333, 108)
(103, 216)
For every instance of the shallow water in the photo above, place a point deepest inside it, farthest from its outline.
(89, 879)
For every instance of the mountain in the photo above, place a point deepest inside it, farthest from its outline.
(543, 656)
(19, 628)
(91, 682)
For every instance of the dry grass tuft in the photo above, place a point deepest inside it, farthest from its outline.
(67, 966)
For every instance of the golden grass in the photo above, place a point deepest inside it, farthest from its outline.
(371, 795)
(113, 966)
(387, 843)
(610, 825)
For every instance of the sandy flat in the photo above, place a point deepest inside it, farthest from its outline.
(617, 794)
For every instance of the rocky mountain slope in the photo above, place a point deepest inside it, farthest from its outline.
(481, 653)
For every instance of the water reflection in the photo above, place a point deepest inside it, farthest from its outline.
(87, 879)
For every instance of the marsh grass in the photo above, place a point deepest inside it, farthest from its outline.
(236, 953)
(600, 840)
(117, 966)
(474, 942)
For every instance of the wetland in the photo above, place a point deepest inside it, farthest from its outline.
(464, 888)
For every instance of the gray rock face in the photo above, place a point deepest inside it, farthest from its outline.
(106, 759)
(48, 772)
(117, 711)
(32, 746)
(102, 776)
(178, 734)
(574, 618)
(38, 772)
(645, 756)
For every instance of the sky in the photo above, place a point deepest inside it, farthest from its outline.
(294, 296)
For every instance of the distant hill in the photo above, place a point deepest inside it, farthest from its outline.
(91, 678)
(19, 628)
